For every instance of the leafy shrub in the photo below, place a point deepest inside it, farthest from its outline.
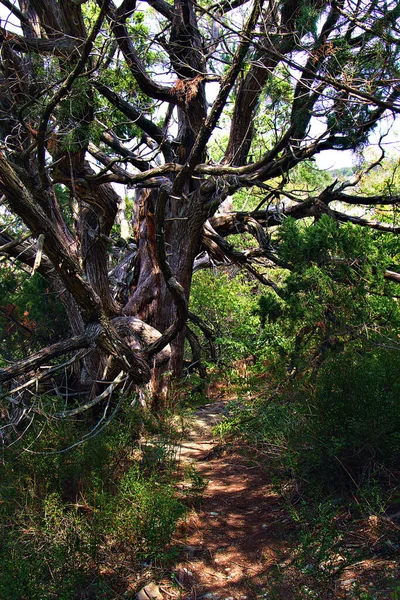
(71, 520)
(44, 554)
(146, 514)
(229, 303)
(25, 322)
(336, 429)
(351, 418)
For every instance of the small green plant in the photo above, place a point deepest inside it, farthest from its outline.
(196, 483)
(320, 551)
(146, 514)
(226, 300)
(68, 518)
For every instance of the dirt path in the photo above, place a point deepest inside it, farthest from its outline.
(238, 540)
(237, 533)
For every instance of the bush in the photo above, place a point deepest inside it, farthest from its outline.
(334, 428)
(71, 521)
(228, 302)
(146, 514)
(351, 417)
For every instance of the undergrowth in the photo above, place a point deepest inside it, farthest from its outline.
(330, 439)
(81, 524)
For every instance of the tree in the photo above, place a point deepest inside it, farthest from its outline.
(94, 94)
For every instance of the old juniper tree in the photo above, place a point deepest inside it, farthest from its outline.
(186, 104)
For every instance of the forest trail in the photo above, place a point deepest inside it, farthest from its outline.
(238, 530)
(239, 542)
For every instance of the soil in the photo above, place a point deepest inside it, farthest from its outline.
(239, 540)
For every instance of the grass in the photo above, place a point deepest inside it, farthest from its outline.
(78, 524)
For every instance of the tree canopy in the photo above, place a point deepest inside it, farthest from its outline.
(206, 113)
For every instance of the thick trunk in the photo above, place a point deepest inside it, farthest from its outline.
(150, 299)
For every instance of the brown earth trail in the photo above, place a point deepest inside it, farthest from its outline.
(239, 531)
(240, 542)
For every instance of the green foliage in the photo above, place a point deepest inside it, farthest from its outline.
(274, 114)
(146, 514)
(325, 242)
(335, 290)
(269, 308)
(29, 313)
(229, 303)
(118, 76)
(319, 539)
(342, 173)
(351, 416)
(383, 179)
(331, 406)
(70, 521)
(74, 115)
(308, 17)
(196, 483)
(334, 432)
(306, 175)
